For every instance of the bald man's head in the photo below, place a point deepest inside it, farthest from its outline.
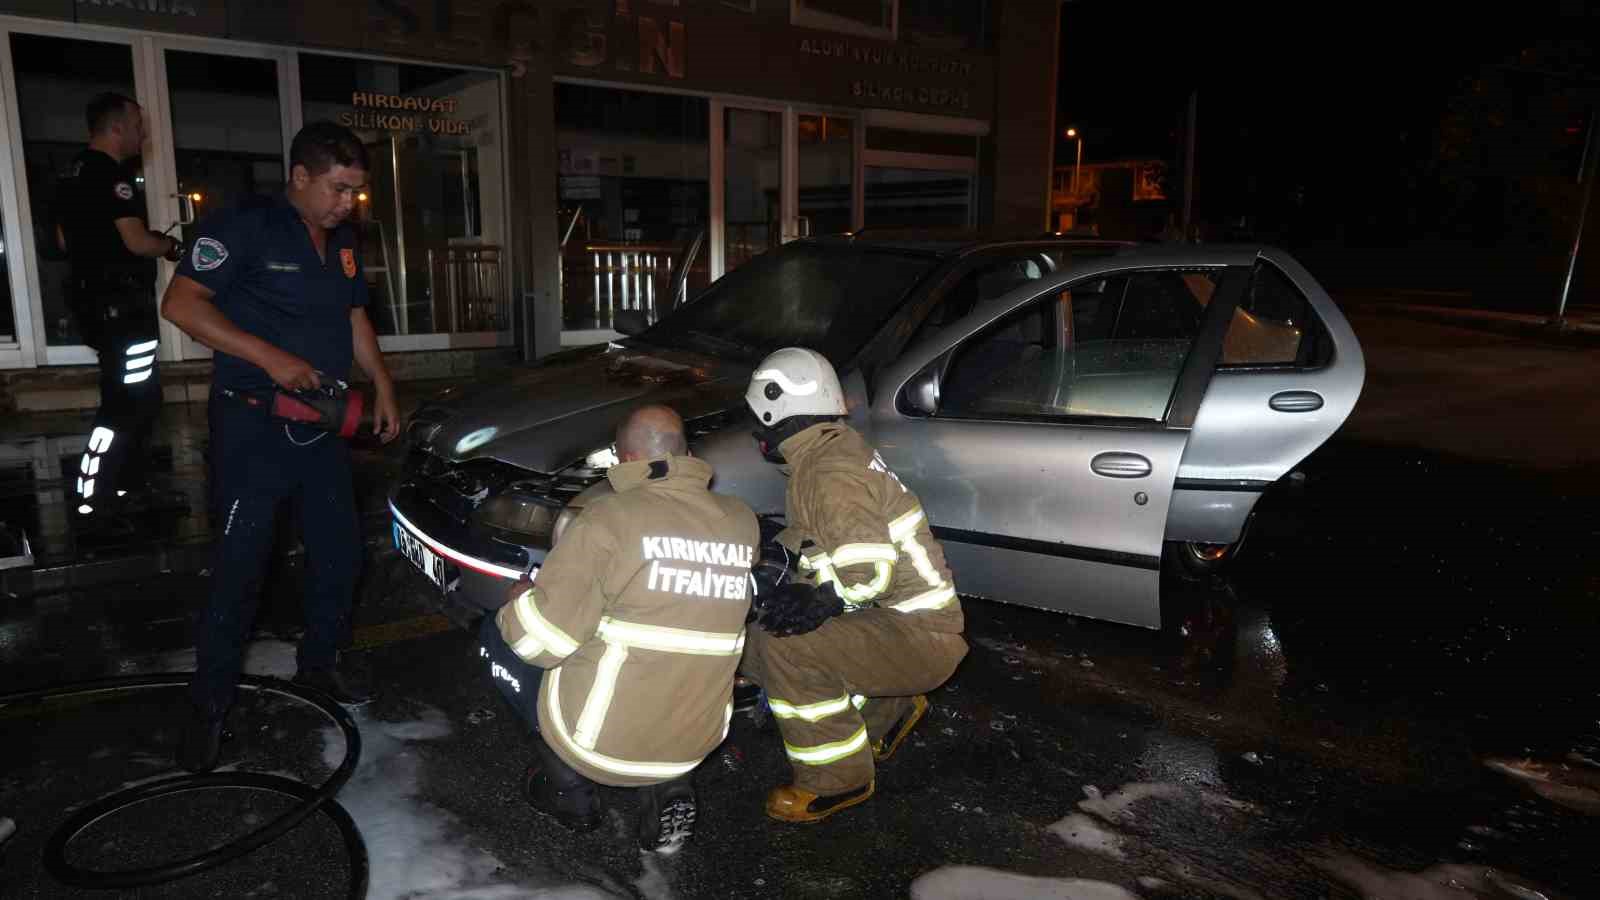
(651, 432)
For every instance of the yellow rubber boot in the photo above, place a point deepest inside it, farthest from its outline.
(801, 807)
(885, 746)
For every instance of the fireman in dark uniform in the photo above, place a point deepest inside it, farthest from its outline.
(101, 227)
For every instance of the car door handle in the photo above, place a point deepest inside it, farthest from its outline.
(1120, 464)
(1296, 401)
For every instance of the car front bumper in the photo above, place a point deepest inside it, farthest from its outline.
(478, 570)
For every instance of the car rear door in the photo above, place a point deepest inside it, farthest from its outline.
(1043, 431)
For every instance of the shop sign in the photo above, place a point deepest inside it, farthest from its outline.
(394, 112)
(894, 88)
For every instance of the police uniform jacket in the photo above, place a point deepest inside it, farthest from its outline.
(639, 613)
(853, 524)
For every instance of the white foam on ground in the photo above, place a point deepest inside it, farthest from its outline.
(654, 884)
(268, 657)
(1084, 833)
(1441, 882)
(416, 850)
(978, 883)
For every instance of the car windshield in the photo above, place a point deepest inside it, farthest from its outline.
(829, 298)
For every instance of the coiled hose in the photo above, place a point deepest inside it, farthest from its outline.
(311, 799)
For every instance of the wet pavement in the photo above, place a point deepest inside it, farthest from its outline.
(1313, 725)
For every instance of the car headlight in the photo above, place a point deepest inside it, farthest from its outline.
(522, 512)
(602, 459)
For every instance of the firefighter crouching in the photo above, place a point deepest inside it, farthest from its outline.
(846, 654)
(638, 614)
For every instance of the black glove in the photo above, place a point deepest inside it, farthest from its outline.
(800, 608)
(175, 254)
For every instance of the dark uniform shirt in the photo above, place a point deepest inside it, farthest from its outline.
(91, 200)
(269, 282)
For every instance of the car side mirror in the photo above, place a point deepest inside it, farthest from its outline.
(920, 396)
(629, 321)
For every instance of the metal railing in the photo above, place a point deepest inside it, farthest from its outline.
(474, 288)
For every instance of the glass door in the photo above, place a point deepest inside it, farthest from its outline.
(780, 173)
(222, 137)
(54, 79)
(752, 183)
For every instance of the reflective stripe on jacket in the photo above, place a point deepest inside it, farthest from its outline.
(853, 523)
(639, 613)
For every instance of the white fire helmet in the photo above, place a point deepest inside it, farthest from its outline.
(794, 381)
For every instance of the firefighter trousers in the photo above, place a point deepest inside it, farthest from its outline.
(836, 690)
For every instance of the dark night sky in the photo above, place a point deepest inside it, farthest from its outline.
(1339, 102)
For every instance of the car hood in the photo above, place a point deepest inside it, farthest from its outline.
(548, 415)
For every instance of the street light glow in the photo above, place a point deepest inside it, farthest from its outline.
(1072, 132)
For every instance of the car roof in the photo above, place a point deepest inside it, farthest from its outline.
(959, 242)
(956, 243)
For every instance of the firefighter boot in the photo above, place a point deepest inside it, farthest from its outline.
(555, 789)
(666, 815)
(884, 747)
(798, 805)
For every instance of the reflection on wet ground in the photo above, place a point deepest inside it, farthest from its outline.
(39, 456)
(1316, 724)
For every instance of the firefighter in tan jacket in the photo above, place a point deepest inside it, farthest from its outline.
(630, 636)
(846, 651)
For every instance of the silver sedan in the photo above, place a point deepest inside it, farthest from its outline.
(1073, 415)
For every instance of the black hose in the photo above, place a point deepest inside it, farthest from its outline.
(311, 800)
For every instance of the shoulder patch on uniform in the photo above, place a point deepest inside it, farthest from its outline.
(347, 258)
(123, 190)
(209, 253)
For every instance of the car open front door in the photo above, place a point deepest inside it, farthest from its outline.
(1044, 430)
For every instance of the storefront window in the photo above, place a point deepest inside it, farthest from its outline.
(634, 171)
(827, 170)
(227, 129)
(753, 169)
(56, 78)
(921, 198)
(869, 18)
(954, 25)
(8, 321)
(433, 218)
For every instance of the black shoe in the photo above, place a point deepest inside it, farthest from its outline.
(201, 742)
(666, 815)
(345, 689)
(576, 805)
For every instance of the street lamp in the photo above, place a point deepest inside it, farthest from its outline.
(1072, 134)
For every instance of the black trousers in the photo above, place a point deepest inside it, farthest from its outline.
(119, 323)
(257, 463)
(519, 685)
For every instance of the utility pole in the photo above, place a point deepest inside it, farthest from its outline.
(1586, 187)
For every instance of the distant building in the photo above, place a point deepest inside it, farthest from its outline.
(1124, 200)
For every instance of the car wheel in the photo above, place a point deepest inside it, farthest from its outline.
(1195, 560)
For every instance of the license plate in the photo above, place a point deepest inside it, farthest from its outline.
(423, 558)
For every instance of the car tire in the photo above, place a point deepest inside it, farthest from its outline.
(1197, 561)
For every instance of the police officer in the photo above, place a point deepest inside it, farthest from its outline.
(847, 652)
(278, 292)
(101, 227)
(638, 614)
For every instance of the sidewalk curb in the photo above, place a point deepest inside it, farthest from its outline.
(1578, 334)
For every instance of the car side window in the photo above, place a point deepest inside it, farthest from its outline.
(1106, 348)
(1273, 325)
(986, 282)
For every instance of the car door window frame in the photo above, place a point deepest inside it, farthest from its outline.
(1316, 343)
(1194, 375)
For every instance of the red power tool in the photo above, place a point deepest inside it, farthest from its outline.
(335, 407)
